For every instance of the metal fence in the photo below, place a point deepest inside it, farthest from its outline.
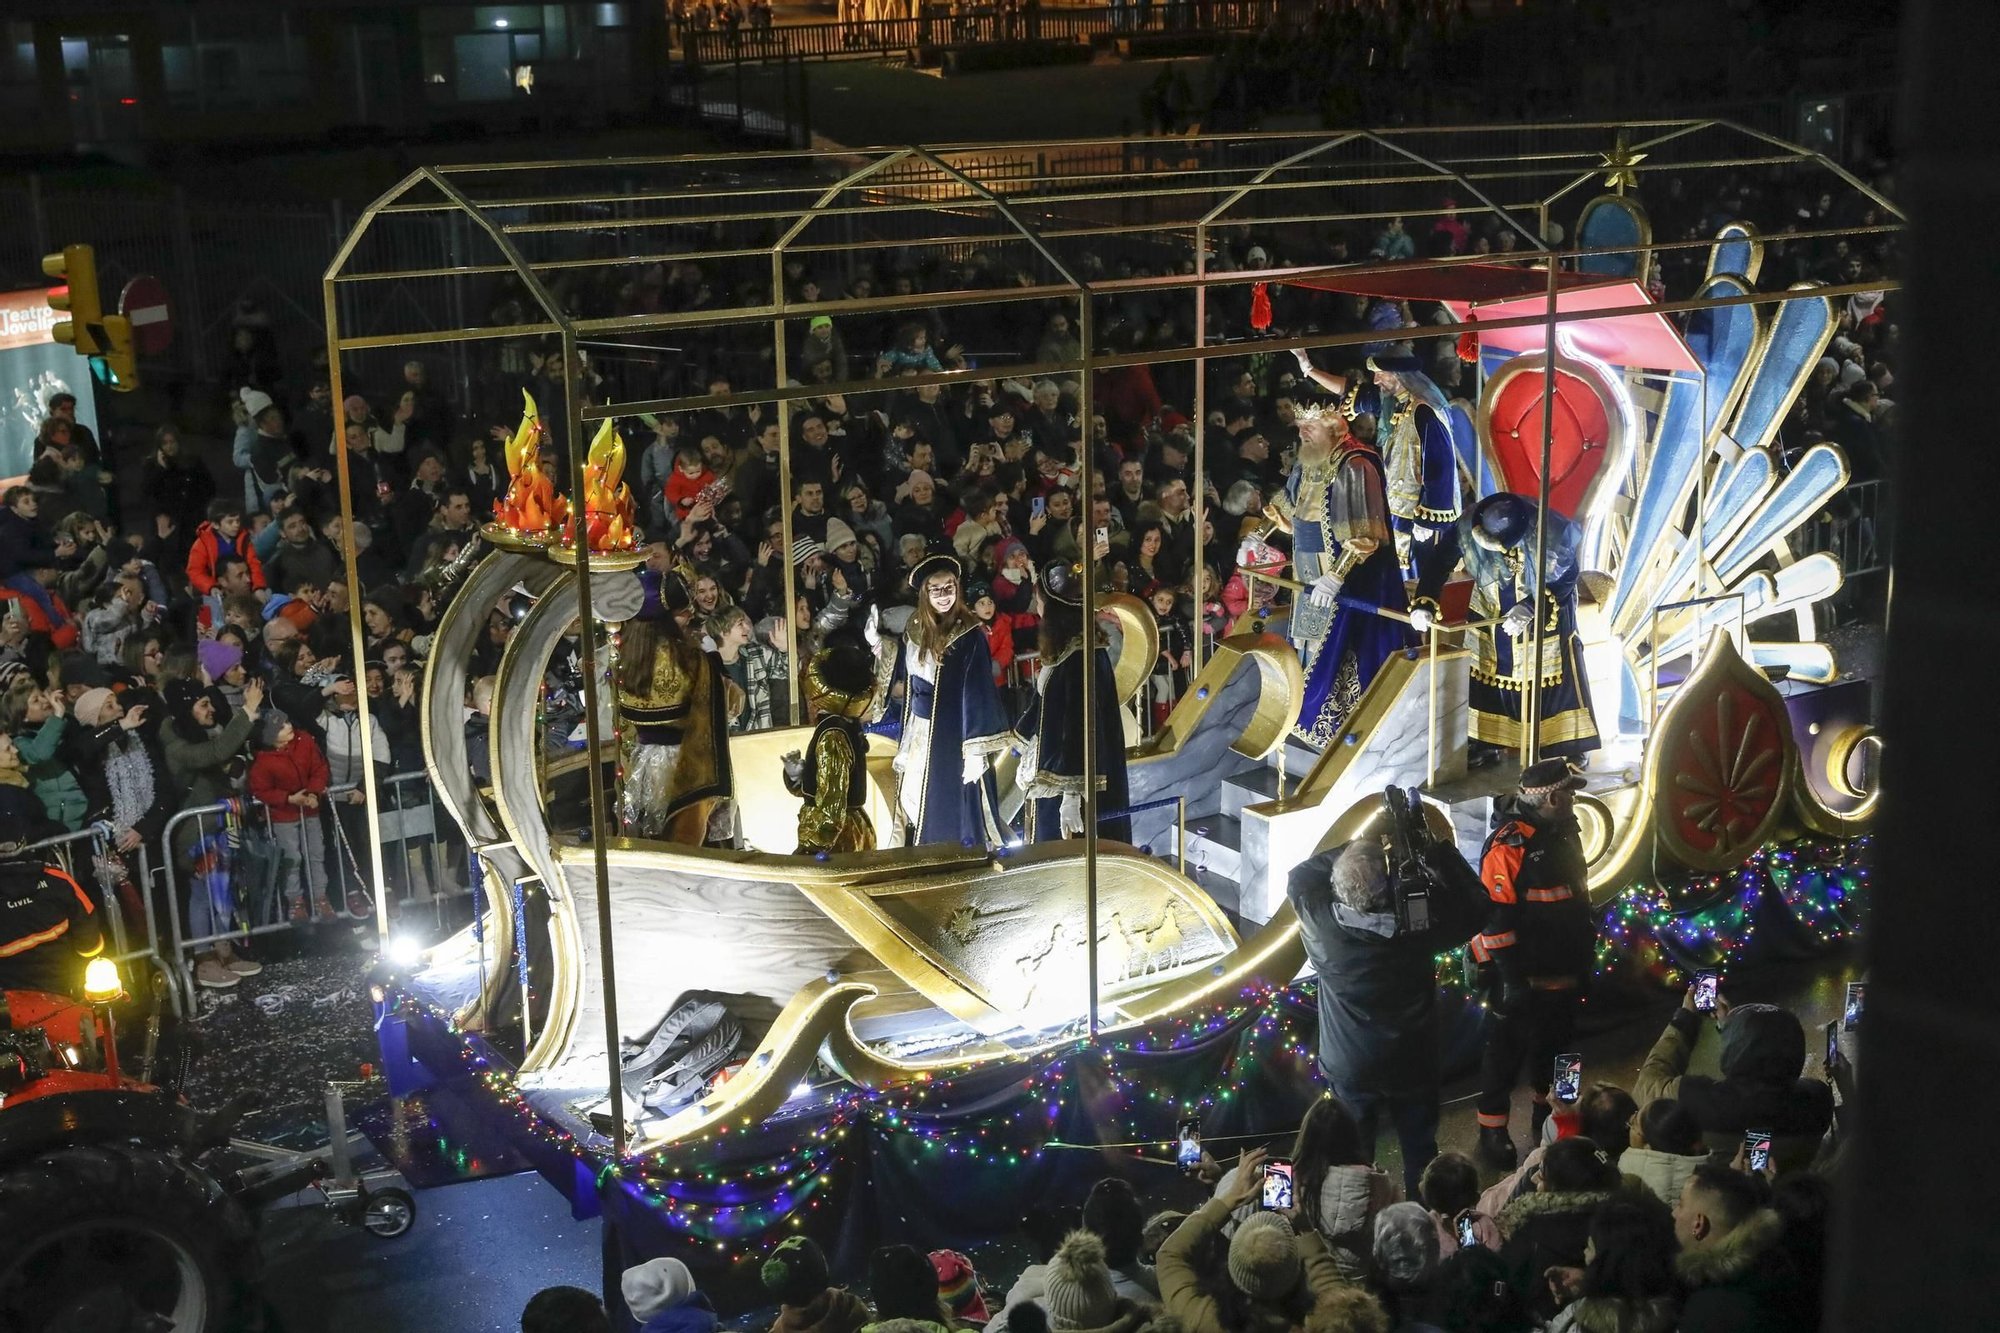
(229, 872)
(78, 854)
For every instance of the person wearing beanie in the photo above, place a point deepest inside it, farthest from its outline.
(796, 1274)
(217, 656)
(661, 1296)
(904, 1285)
(1078, 1292)
(958, 1287)
(204, 761)
(1275, 1273)
(289, 777)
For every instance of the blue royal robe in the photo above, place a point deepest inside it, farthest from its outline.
(1357, 641)
(1050, 736)
(1419, 461)
(951, 713)
(1502, 665)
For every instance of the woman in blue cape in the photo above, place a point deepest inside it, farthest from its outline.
(953, 728)
(1336, 510)
(1051, 730)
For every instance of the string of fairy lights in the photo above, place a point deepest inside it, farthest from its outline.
(730, 1201)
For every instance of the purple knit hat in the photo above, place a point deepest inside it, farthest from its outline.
(217, 657)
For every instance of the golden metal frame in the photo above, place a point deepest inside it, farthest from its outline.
(1215, 175)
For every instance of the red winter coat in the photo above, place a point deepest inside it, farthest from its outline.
(277, 774)
(208, 549)
(999, 633)
(62, 632)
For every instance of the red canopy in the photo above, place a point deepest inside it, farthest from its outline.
(1448, 282)
(1474, 292)
(1648, 339)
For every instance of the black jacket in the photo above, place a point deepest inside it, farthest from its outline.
(1541, 1231)
(1378, 987)
(1743, 1283)
(1539, 929)
(48, 926)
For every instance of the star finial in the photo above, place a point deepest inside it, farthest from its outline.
(1620, 161)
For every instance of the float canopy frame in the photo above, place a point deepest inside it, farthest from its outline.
(1047, 206)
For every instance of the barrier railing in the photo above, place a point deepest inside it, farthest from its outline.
(246, 874)
(78, 854)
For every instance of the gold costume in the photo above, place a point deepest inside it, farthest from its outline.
(832, 778)
(672, 746)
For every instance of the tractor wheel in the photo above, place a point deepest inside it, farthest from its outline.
(116, 1237)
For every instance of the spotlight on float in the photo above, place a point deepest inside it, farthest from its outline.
(405, 951)
(802, 1090)
(101, 983)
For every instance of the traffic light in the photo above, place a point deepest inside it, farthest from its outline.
(117, 369)
(76, 265)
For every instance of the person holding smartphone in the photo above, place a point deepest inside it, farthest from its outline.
(1277, 1267)
(1762, 1085)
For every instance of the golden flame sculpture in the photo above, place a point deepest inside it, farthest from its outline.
(531, 508)
(608, 516)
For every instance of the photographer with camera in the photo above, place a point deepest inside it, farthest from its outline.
(1538, 949)
(1374, 914)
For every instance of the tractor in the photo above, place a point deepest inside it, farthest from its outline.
(119, 1209)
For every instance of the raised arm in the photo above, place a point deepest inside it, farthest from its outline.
(1326, 379)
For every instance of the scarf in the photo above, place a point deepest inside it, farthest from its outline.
(128, 770)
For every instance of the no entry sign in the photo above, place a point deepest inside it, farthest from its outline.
(144, 302)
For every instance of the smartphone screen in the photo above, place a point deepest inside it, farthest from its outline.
(1757, 1148)
(1850, 1017)
(1569, 1077)
(1467, 1237)
(1188, 1155)
(1706, 983)
(1277, 1185)
(1833, 1043)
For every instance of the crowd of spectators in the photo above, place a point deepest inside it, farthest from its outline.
(1639, 1212)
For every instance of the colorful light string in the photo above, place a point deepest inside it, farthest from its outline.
(740, 1191)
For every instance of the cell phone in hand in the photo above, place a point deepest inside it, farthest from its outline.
(1850, 1017)
(1757, 1148)
(1706, 983)
(1188, 1154)
(1833, 1043)
(1103, 536)
(1277, 1185)
(1037, 506)
(1568, 1081)
(1467, 1236)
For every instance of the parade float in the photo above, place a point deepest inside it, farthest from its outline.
(646, 1012)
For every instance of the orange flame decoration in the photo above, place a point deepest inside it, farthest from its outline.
(608, 509)
(531, 506)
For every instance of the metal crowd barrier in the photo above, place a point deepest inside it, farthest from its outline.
(239, 839)
(77, 853)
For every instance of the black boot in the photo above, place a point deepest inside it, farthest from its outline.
(1496, 1147)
